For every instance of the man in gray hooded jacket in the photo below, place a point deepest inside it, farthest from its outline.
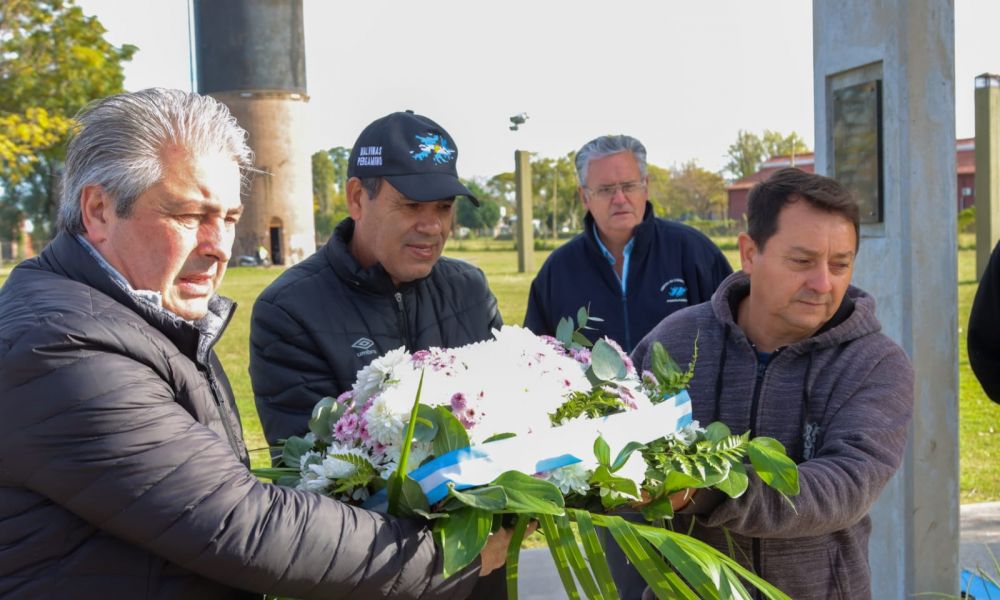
(123, 472)
(787, 348)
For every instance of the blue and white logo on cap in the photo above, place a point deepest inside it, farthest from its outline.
(435, 146)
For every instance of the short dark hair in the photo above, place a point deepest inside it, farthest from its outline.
(786, 186)
(371, 185)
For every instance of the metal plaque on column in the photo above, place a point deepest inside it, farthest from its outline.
(857, 145)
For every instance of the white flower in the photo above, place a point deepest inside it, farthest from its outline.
(385, 424)
(418, 454)
(571, 478)
(373, 377)
(687, 434)
(320, 472)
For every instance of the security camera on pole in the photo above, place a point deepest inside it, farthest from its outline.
(525, 220)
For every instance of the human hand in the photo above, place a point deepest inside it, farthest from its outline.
(494, 554)
(681, 499)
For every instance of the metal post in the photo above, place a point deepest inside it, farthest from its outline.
(525, 220)
(987, 167)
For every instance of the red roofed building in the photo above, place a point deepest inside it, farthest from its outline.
(965, 162)
(740, 189)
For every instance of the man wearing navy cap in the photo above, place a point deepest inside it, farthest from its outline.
(378, 284)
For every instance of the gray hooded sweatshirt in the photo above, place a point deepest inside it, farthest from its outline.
(840, 401)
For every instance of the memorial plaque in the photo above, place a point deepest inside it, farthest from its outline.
(857, 145)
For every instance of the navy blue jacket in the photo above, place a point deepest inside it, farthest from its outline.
(671, 266)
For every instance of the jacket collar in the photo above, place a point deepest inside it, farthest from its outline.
(374, 279)
(642, 235)
(66, 256)
(854, 318)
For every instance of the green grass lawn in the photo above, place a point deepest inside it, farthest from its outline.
(979, 418)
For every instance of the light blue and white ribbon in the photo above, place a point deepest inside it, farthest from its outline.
(545, 450)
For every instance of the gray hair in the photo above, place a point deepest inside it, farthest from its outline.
(606, 145)
(118, 143)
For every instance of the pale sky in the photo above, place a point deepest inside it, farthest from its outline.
(682, 77)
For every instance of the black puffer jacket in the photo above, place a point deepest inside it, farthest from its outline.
(122, 470)
(325, 318)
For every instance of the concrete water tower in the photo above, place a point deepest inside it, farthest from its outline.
(251, 56)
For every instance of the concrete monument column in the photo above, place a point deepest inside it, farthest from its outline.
(525, 219)
(987, 168)
(885, 109)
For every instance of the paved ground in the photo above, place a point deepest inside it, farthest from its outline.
(980, 530)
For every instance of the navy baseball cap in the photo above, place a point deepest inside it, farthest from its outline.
(411, 152)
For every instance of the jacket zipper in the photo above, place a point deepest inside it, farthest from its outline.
(223, 413)
(404, 328)
(754, 407)
(628, 337)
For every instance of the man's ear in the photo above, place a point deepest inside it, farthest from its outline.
(356, 196)
(583, 196)
(748, 252)
(97, 209)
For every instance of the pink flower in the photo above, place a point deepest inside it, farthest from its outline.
(580, 355)
(347, 428)
(346, 398)
(458, 402)
(420, 357)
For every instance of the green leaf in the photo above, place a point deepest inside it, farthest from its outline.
(605, 361)
(402, 497)
(559, 556)
(663, 366)
(581, 318)
(294, 448)
(676, 481)
(773, 466)
(690, 568)
(736, 483)
(579, 338)
(427, 424)
(658, 508)
(411, 498)
(430, 516)
(560, 539)
(717, 431)
(622, 457)
(612, 487)
(660, 578)
(462, 537)
(492, 497)
(564, 331)
(602, 451)
(451, 433)
(527, 494)
(326, 412)
(275, 472)
(499, 436)
(514, 554)
(595, 553)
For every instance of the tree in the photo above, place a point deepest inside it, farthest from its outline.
(329, 175)
(749, 150)
(776, 144)
(745, 154)
(482, 219)
(54, 60)
(659, 191)
(697, 191)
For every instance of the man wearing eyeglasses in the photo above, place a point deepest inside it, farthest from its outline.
(630, 268)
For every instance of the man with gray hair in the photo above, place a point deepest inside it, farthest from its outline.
(123, 473)
(630, 268)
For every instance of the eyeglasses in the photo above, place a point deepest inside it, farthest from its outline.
(606, 192)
